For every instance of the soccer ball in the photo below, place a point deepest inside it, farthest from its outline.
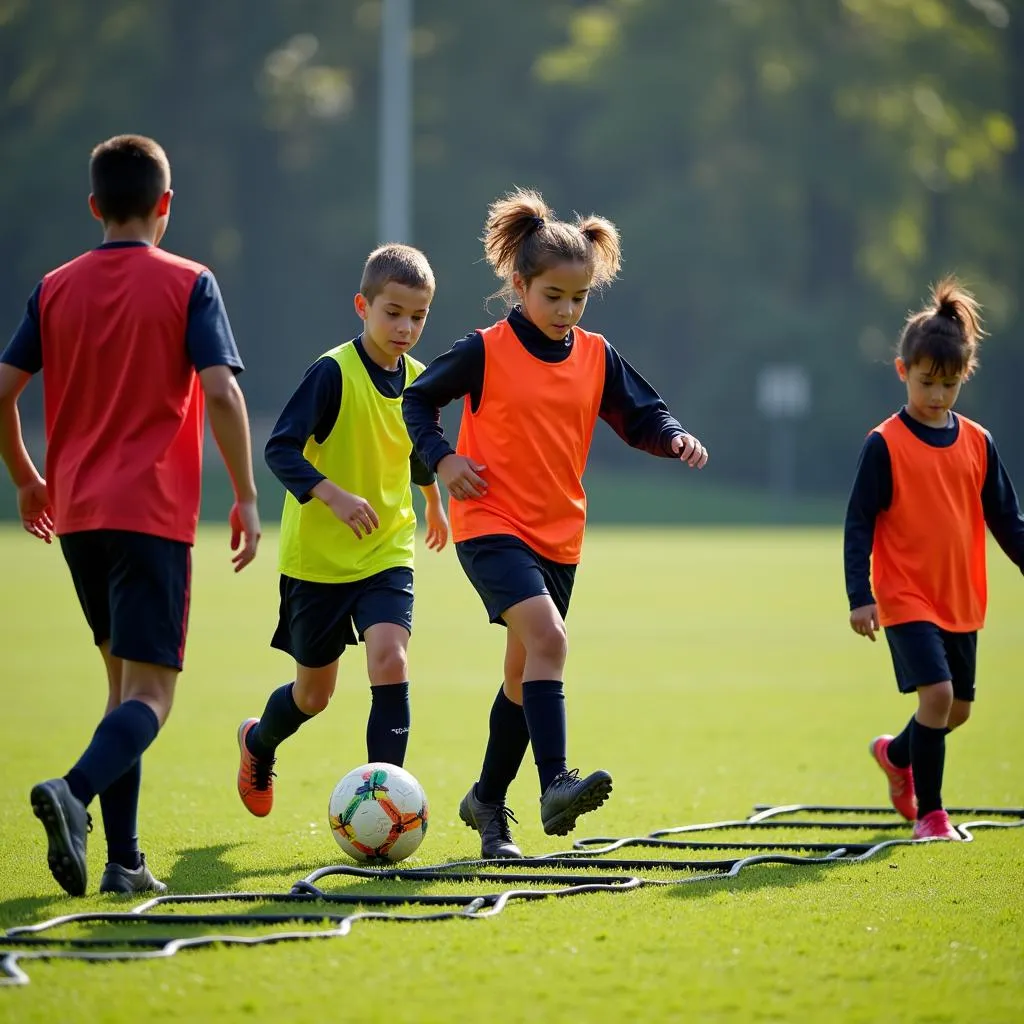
(378, 812)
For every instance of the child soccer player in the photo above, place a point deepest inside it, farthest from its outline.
(533, 387)
(341, 449)
(129, 339)
(928, 482)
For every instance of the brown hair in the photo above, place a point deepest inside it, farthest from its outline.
(522, 235)
(129, 174)
(946, 333)
(394, 262)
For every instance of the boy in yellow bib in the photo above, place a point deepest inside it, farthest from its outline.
(341, 449)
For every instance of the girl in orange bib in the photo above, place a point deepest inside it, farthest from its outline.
(533, 387)
(928, 483)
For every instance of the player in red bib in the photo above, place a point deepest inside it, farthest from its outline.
(928, 483)
(133, 343)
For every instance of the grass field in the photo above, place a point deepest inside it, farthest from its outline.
(709, 670)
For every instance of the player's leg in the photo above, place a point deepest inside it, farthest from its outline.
(287, 709)
(150, 598)
(148, 586)
(928, 757)
(382, 615)
(314, 627)
(922, 666)
(508, 739)
(62, 813)
(390, 717)
(962, 654)
(541, 630)
(906, 643)
(508, 736)
(119, 802)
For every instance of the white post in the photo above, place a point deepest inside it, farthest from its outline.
(394, 213)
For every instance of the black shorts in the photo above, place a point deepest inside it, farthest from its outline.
(924, 654)
(505, 570)
(134, 589)
(318, 621)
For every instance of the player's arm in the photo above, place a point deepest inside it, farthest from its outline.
(453, 375)
(870, 495)
(639, 415)
(312, 412)
(211, 348)
(1002, 510)
(22, 358)
(437, 521)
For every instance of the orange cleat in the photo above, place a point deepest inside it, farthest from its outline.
(901, 780)
(255, 777)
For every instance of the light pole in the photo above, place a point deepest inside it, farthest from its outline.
(394, 187)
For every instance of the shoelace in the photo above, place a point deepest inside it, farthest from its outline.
(566, 778)
(500, 823)
(260, 773)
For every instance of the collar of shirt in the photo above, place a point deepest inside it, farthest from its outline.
(535, 341)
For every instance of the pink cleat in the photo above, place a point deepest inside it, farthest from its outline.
(936, 825)
(901, 780)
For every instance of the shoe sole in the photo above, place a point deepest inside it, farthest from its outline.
(242, 751)
(66, 866)
(587, 800)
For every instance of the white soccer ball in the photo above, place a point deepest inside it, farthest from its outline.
(378, 812)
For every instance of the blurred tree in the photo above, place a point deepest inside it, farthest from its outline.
(788, 177)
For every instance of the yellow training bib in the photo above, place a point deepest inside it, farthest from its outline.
(367, 453)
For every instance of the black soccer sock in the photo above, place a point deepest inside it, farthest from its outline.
(387, 728)
(927, 758)
(899, 748)
(119, 803)
(544, 710)
(280, 719)
(506, 747)
(118, 742)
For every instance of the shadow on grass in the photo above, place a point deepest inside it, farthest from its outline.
(780, 876)
(202, 869)
(26, 909)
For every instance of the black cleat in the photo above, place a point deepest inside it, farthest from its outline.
(119, 879)
(568, 796)
(67, 825)
(491, 821)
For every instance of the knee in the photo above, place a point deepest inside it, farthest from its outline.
(936, 700)
(311, 696)
(151, 685)
(550, 643)
(388, 665)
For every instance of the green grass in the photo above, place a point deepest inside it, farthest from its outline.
(709, 670)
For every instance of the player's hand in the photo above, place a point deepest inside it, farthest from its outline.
(461, 475)
(690, 450)
(355, 512)
(245, 532)
(437, 526)
(864, 620)
(35, 510)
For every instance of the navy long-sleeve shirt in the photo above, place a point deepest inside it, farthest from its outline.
(312, 411)
(872, 494)
(208, 338)
(633, 409)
